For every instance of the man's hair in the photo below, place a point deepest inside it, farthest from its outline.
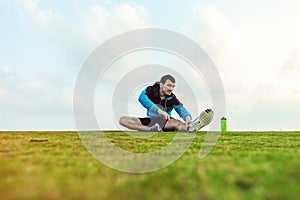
(167, 77)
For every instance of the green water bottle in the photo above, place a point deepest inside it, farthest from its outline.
(223, 124)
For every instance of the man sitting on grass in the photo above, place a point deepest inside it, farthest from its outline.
(159, 101)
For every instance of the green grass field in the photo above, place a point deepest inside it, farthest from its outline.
(242, 165)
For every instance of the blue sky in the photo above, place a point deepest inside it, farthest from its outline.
(253, 44)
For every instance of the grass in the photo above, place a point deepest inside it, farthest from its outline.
(242, 165)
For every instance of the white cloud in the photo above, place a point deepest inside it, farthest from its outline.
(96, 24)
(34, 94)
(29, 10)
(222, 36)
(44, 92)
(283, 86)
(4, 70)
(245, 54)
(131, 15)
(30, 5)
(77, 36)
(254, 59)
(100, 23)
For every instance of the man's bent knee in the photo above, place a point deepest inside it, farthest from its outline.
(123, 120)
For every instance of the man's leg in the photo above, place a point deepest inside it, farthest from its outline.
(133, 123)
(175, 125)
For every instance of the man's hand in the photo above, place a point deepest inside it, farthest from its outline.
(187, 120)
(164, 114)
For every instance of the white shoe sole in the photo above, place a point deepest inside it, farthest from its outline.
(203, 120)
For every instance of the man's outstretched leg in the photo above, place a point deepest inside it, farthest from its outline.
(175, 125)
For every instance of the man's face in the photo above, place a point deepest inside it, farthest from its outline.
(167, 87)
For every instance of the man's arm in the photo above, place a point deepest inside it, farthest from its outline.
(151, 106)
(182, 112)
(188, 120)
(164, 114)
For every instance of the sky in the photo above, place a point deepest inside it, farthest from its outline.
(253, 44)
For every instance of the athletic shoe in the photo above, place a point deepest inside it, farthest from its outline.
(204, 119)
(155, 128)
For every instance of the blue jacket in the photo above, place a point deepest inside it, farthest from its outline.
(151, 100)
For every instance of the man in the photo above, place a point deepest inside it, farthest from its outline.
(159, 101)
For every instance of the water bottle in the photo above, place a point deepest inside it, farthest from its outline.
(223, 124)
